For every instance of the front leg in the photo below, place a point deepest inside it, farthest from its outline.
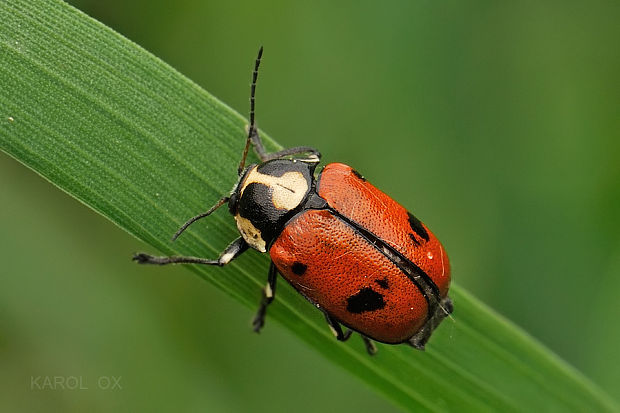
(236, 248)
(314, 156)
(269, 293)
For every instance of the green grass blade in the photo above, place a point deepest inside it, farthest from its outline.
(136, 141)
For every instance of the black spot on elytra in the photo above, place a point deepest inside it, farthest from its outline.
(359, 175)
(417, 227)
(299, 268)
(366, 299)
(413, 238)
(383, 283)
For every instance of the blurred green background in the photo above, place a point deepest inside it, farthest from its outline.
(495, 123)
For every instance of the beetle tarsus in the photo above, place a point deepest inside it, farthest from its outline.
(259, 319)
(371, 348)
(142, 258)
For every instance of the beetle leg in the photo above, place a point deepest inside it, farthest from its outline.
(442, 310)
(236, 248)
(269, 293)
(370, 345)
(335, 327)
(313, 155)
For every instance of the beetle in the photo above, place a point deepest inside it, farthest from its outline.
(351, 250)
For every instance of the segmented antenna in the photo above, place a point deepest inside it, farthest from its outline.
(252, 127)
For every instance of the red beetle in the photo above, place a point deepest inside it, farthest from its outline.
(350, 249)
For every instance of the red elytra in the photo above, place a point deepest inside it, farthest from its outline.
(338, 262)
(346, 246)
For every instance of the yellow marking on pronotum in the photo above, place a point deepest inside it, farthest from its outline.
(251, 234)
(288, 190)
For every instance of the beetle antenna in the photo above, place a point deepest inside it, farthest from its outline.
(252, 128)
(219, 203)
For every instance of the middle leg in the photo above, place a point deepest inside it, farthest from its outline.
(269, 293)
